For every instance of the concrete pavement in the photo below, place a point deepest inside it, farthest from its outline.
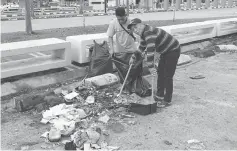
(40, 24)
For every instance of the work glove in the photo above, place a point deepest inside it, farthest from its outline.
(132, 60)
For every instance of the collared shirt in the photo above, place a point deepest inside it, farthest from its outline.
(123, 41)
(157, 40)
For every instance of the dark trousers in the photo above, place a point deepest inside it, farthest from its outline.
(166, 70)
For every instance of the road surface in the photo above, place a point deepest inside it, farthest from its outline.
(40, 24)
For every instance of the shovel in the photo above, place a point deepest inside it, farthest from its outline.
(124, 82)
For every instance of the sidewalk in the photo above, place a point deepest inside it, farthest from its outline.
(41, 24)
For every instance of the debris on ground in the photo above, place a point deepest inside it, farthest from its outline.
(195, 144)
(71, 95)
(70, 146)
(184, 59)
(90, 99)
(104, 119)
(102, 80)
(167, 142)
(84, 123)
(45, 135)
(197, 77)
(54, 135)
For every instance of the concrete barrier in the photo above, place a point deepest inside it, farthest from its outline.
(59, 56)
(225, 26)
(186, 33)
(80, 45)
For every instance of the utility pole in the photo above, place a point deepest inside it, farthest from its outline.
(127, 7)
(28, 17)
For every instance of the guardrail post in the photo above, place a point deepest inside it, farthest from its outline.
(177, 4)
(189, 4)
(230, 3)
(223, 3)
(207, 3)
(198, 4)
(215, 3)
(166, 4)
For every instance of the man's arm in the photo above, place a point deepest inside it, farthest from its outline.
(111, 44)
(111, 33)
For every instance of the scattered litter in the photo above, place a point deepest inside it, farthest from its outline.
(95, 146)
(111, 148)
(68, 130)
(90, 99)
(79, 138)
(70, 146)
(64, 92)
(196, 144)
(45, 135)
(167, 142)
(184, 59)
(93, 135)
(132, 122)
(134, 98)
(197, 77)
(63, 112)
(65, 141)
(82, 124)
(103, 144)
(71, 95)
(127, 116)
(87, 147)
(104, 119)
(121, 100)
(54, 135)
(44, 121)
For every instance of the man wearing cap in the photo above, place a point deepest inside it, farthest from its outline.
(124, 40)
(166, 50)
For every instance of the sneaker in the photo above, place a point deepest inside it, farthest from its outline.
(158, 98)
(163, 104)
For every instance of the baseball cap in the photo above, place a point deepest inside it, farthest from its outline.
(134, 22)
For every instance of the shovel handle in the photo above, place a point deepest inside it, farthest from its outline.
(130, 67)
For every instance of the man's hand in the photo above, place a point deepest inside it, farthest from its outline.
(132, 60)
(144, 54)
(153, 71)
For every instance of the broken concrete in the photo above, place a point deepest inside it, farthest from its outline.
(226, 48)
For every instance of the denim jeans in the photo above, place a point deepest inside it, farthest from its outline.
(166, 70)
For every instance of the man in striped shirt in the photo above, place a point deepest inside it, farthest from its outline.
(166, 54)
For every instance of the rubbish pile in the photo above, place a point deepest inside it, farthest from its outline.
(83, 120)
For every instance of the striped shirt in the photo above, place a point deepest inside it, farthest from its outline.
(158, 40)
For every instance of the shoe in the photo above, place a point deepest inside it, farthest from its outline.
(163, 104)
(158, 98)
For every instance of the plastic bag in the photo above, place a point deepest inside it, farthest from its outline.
(100, 60)
(135, 82)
